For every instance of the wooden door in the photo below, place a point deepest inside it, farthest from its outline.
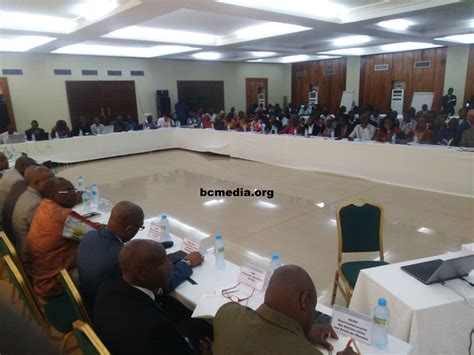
(6, 109)
(202, 94)
(253, 87)
(105, 99)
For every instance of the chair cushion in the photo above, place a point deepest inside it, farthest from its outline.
(60, 313)
(351, 269)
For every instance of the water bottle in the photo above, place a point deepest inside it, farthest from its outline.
(86, 200)
(80, 183)
(306, 133)
(415, 138)
(95, 195)
(394, 138)
(380, 332)
(165, 228)
(263, 128)
(295, 131)
(80, 133)
(275, 263)
(219, 252)
(332, 134)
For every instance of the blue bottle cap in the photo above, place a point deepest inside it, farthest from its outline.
(218, 236)
(275, 256)
(382, 302)
(163, 216)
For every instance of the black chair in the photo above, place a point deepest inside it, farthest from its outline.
(42, 136)
(138, 127)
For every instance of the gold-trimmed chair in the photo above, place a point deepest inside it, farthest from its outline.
(88, 341)
(7, 248)
(75, 297)
(360, 229)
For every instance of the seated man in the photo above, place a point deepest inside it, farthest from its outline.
(97, 127)
(283, 324)
(465, 125)
(97, 257)
(363, 130)
(163, 122)
(34, 130)
(10, 177)
(149, 124)
(26, 205)
(52, 242)
(82, 128)
(467, 139)
(120, 125)
(4, 164)
(127, 316)
(60, 130)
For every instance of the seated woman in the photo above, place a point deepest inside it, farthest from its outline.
(444, 135)
(255, 124)
(293, 127)
(420, 134)
(387, 131)
(327, 130)
(207, 122)
(61, 130)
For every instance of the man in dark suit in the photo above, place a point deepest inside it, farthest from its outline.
(97, 256)
(34, 130)
(312, 126)
(343, 128)
(448, 102)
(128, 317)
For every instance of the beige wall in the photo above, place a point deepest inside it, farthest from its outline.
(353, 77)
(39, 94)
(456, 71)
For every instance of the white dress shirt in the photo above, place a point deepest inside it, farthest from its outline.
(365, 134)
(146, 291)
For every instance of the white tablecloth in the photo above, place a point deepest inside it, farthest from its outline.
(433, 319)
(440, 169)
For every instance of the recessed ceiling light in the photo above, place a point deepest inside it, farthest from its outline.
(262, 54)
(406, 46)
(94, 9)
(466, 38)
(425, 230)
(10, 43)
(295, 58)
(207, 55)
(163, 35)
(269, 29)
(33, 22)
(213, 202)
(351, 40)
(320, 204)
(122, 51)
(265, 204)
(397, 24)
(306, 8)
(345, 51)
(255, 60)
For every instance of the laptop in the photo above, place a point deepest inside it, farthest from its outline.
(15, 138)
(438, 270)
(108, 129)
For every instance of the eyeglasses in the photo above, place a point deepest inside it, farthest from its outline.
(64, 192)
(140, 227)
(227, 294)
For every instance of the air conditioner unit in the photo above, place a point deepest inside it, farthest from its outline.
(380, 67)
(423, 64)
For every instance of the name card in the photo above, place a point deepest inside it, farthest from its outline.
(190, 245)
(104, 206)
(352, 324)
(155, 231)
(252, 277)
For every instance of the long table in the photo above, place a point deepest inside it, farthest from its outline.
(433, 168)
(434, 319)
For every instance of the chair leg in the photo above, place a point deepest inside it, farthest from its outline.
(334, 288)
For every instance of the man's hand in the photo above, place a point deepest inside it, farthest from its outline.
(205, 346)
(319, 335)
(195, 258)
(78, 197)
(347, 351)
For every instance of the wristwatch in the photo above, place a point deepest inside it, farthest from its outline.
(187, 262)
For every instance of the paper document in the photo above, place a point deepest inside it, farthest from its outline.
(208, 305)
(339, 345)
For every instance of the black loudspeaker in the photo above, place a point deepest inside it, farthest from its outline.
(162, 93)
(163, 105)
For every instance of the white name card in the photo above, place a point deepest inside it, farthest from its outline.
(352, 324)
(104, 206)
(155, 231)
(252, 277)
(190, 245)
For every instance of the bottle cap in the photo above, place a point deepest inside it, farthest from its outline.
(275, 256)
(163, 216)
(382, 302)
(218, 236)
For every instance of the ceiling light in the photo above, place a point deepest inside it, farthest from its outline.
(9, 43)
(406, 46)
(425, 230)
(320, 204)
(33, 22)
(255, 60)
(94, 9)
(351, 40)
(213, 202)
(207, 55)
(332, 222)
(163, 35)
(262, 54)
(397, 24)
(268, 29)
(305, 8)
(466, 38)
(266, 204)
(122, 51)
(295, 58)
(346, 51)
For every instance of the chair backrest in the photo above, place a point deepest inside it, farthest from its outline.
(7, 248)
(24, 290)
(88, 341)
(74, 297)
(360, 227)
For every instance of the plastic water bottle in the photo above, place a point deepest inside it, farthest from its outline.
(275, 263)
(295, 132)
(415, 139)
(165, 228)
(86, 200)
(263, 128)
(219, 252)
(80, 183)
(95, 195)
(394, 138)
(306, 133)
(332, 134)
(380, 332)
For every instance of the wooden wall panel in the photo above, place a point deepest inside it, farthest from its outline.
(330, 86)
(375, 87)
(469, 90)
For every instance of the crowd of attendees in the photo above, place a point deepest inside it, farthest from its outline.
(366, 124)
(125, 282)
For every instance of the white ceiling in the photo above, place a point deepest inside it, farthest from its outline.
(235, 29)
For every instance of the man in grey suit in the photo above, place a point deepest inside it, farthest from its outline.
(26, 205)
(467, 139)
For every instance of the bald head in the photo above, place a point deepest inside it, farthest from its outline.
(37, 176)
(292, 292)
(144, 263)
(125, 220)
(22, 163)
(61, 191)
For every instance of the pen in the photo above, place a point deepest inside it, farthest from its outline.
(355, 346)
